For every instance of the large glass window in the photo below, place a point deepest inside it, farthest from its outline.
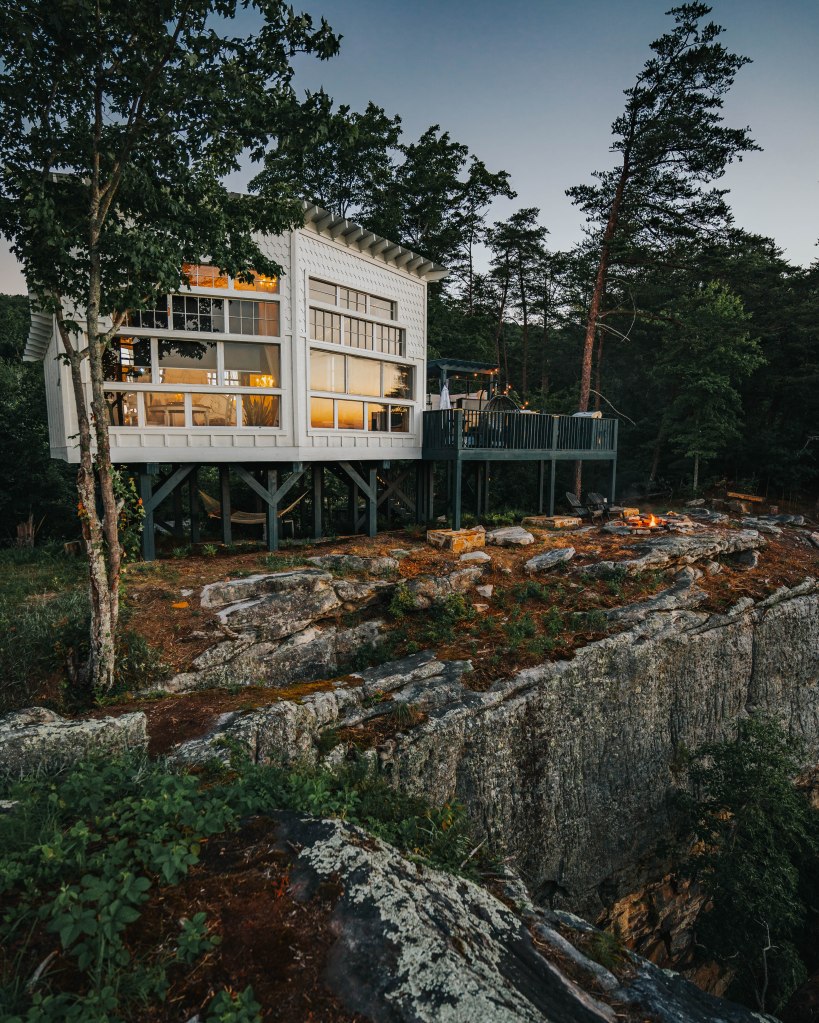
(364, 376)
(128, 359)
(162, 408)
(202, 275)
(326, 371)
(209, 409)
(320, 291)
(260, 410)
(321, 413)
(122, 408)
(350, 415)
(260, 318)
(203, 314)
(325, 326)
(260, 282)
(187, 362)
(397, 380)
(251, 365)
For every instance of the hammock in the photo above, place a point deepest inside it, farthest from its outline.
(240, 518)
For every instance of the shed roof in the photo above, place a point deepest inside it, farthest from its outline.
(460, 366)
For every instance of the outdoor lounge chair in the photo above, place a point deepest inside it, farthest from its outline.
(575, 506)
(596, 501)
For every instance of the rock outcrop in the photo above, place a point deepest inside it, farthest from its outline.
(569, 766)
(418, 944)
(36, 740)
(664, 551)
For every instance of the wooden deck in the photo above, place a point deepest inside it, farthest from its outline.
(458, 436)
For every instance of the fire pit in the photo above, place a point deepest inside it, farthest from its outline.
(644, 525)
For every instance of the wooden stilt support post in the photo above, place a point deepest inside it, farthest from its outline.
(457, 493)
(485, 488)
(541, 480)
(613, 483)
(224, 486)
(318, 499)
(146, 486)
(479, 471)
(372, 502)
(552, 487)
(194, 504)
(271, 481)
(177, 509)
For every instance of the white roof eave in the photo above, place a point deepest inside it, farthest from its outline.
(358, 237)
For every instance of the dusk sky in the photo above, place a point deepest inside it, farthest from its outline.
(532, 86)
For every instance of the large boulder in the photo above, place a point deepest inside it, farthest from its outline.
(459, 541)
(549, 559)
(37, 740)
(352, 564)
(510, 536)
(673, 549)
(427, 590)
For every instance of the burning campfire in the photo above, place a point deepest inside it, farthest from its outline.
(639, 523)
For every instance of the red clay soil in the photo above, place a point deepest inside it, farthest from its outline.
(275, 937)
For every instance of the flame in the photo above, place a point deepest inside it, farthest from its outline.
(652, 522)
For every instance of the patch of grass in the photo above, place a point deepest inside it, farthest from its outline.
(210, 550)
(605, 949)
(402, 602)
(281, 562)
(407, 715)
(83, 854)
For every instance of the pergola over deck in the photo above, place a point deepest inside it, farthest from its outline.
(456, 436)
(449, 371)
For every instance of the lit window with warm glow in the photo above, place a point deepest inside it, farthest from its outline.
(203, 275)
(260, 282)
(321, 413)
(350, 415)
(251, 365)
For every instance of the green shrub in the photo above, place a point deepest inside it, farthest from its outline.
(402, 602)
(210, 550)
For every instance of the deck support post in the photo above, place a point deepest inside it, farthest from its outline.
(479, 471)
(372, 502)
(613, 480)
(553, 464)
(457, 493)
(193, 487)
(318, 499)
(485, 488)
(541, 480)
(177, 508)
(224, 488)
(146, 486)
(271, 480)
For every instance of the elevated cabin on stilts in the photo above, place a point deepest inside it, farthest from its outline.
(285, 381)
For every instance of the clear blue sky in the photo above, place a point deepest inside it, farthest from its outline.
(531, 86)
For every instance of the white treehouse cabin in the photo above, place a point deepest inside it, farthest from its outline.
(326, 362)
(324, 367)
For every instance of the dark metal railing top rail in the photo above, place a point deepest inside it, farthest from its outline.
(519, 431)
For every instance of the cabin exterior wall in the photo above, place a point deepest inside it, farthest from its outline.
(303, 254)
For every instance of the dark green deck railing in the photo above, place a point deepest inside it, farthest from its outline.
(457, 429)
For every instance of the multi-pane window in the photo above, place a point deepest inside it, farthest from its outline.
(211, 409)
(389, 340)
(200, 314)
(128, 359)
(251, 365)
(350, 415)
(348, 298)
(155, 318)
(325, 326)
(320, 291)
(164, 408)
(259, 318)
(358, 333)
(187, 362)
(347, 414)
(383, 308)
(202, 275)
(353, 374)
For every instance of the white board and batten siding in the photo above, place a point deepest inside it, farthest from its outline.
(328, 249)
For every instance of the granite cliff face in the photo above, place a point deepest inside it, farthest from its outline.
(570, 767)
